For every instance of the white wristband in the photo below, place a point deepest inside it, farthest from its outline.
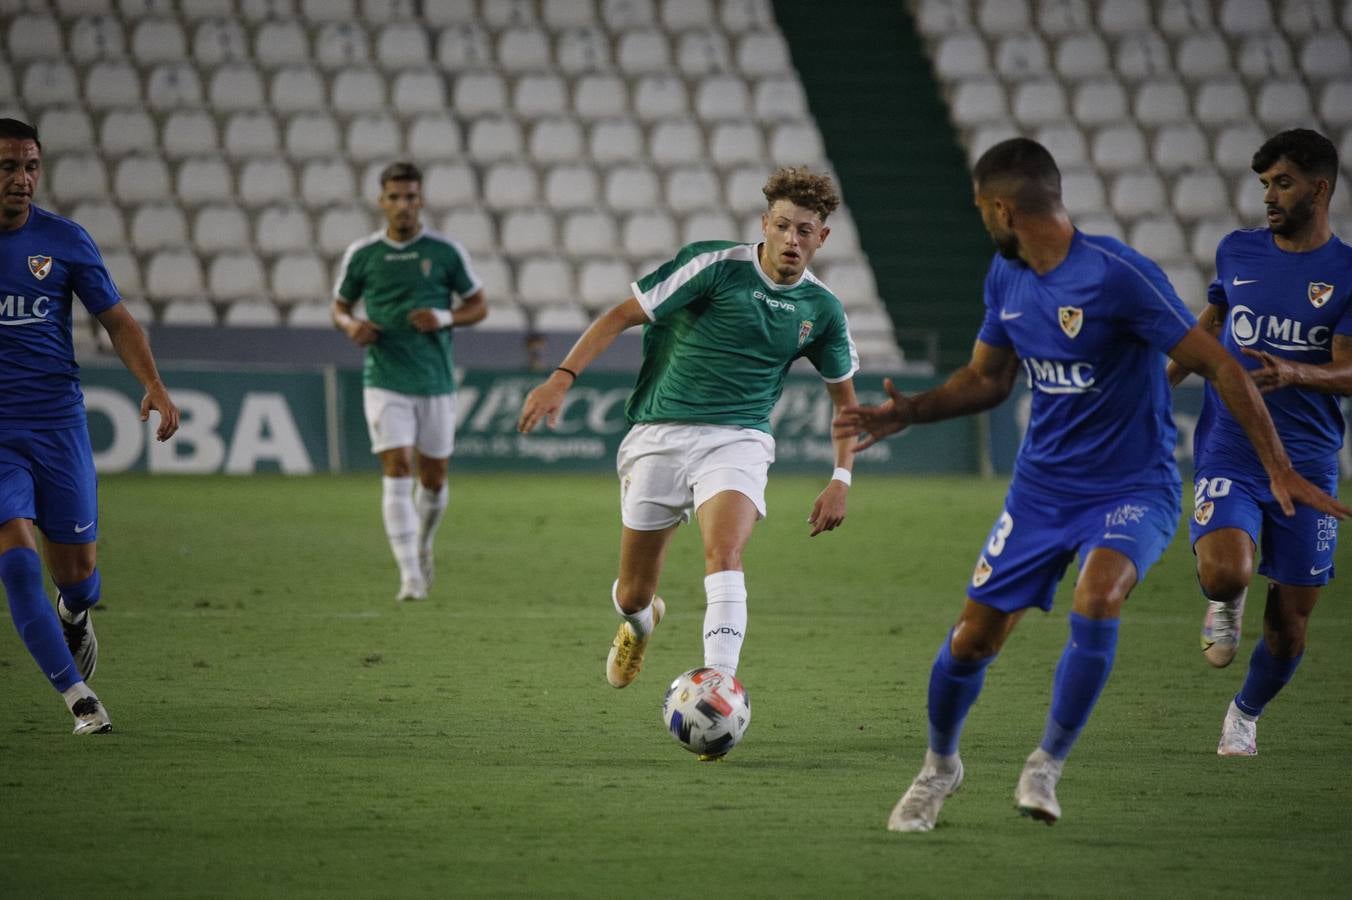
(841, 475)
(443, 317)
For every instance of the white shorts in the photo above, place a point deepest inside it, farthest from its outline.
(426, 422)
(667, 470)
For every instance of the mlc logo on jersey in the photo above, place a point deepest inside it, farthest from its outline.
(1320, 293)
(41, 265)
(1071, 318)
(1249, 327)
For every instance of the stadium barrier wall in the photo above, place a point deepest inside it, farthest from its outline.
(302, 421)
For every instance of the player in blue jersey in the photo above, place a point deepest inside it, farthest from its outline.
(47, 481)
(1282, 304)
(1089, 321)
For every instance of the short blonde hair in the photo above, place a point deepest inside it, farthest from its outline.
(803, 187)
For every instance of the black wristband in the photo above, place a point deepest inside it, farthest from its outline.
(566, 369)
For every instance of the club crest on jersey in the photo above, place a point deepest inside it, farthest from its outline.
(426, 266)
(1070, 318)
(804, 330)
(1320, 293)
(982, 573)
(40, 266)
(1202, 515)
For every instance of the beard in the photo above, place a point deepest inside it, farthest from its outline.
(1296, 217)
(1007, 245)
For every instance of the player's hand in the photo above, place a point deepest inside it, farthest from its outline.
(873, 423)
(425, 320)
(1290, 488)
(1274, 373)
(157, 398)
(829, 510)
(544, 402)
(363, 332)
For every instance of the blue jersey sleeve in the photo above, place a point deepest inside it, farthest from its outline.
(992, 327)
(89, 278)
(1149, 302)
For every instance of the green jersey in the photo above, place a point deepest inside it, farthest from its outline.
(392, 280)
(723, 336)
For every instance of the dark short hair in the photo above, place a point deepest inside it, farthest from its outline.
(1022, 169)
(802, 187)
(400, 171)
(13, 129)
(1308, 150)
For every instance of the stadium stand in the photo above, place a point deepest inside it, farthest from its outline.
(598, 129)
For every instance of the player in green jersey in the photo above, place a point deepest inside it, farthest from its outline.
(723, 322)
(407, 278)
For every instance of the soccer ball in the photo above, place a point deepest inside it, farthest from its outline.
(706, 711)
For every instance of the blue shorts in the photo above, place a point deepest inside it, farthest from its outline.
(1038, 534)
(48, 476)
(1297, 551)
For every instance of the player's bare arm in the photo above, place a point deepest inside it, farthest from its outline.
(129, 340)
(1332, 377)
(361, 331)
(983, 383)
(828, 511)
(547, 399)
(1211, 318)
(471, 310)
(1200, 352)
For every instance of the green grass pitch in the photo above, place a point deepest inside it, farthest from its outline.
(285, 729)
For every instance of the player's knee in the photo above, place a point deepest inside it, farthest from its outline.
(718, 558)
(1100, 604)
(1223, 580)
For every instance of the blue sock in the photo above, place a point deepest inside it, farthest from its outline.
(1268, 674)
(953, 688)
(1080, 677)
(35, 618)
(82, 594)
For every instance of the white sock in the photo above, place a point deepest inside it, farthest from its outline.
(431, 506)
(641, 621)
(401, 526)
(724, 620)
(75, 693)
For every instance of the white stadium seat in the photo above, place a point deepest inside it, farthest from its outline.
(141, 179)
(659, 97)
(1188, 283)
(1307, 17)
(601, 283)
(236, 276)
(1160, 238)
(402, 45)
(434, 136)
(732, 143)
(703, 51)
(597, 96)
(1235, 146)
(203, 179)
(622, 15)
(1003, 16)
(1101, 223)
(1082, 191)
(219, 41)
(495, 137)
(251, 314)
(174, 273)
(544, 282)
(676, 142)
(173, 86)
(77, 176)
(1200, 195)
(763, 53)
(643, 51)
(779, 98)
(479, 93)
(1206, 235)
(631, 187)
(1247, 196)
(1137, 194)
(235, 87)
(720, 97)
(1021, 56)
(281, 43)
(373, 137)
(1119, 148)
(1141, 56)
(1203, 55)
(188, 310)
(188, 132)
(939, 17)
(496, 277)
(1039, 103)
(1082, 55)
(339, 45)
(560, 14)
(310, 315)
(503, 316)
(529, 232)
(523, 49)
(978, 101)
(126, 273)
(742, 189)
(50, 83)
(511, 185)
(34, 36)
(1335, 103)
(1064, 17)
(328, 10)
(250, 134)
(1182, 17)
(1221, 102)
(263, 182)
(797, 144)
(573, 186)
(1065, 141)
(299, 278)
(982, 138)
(542, 94)
(97, 37)
(158, 225)
(1099, 102)
(324, 182)
(1245, 16)
(463, 46)
(649, 233)
(473, 228)
(679, 15)
(615, 140)
(358, 91)
(124, 131)
(283, 229)
(583, 49)
(310, 135)
(1160, 102)
(717, 225)
(256, 11)
(551, 140)
(218, 228)
(450, 184)
(1326, 55)
(1179, 146)
(561, 317)
(962, 55)
(590, 232)
(853, 282)
(381, 11)
(503, 14)
(104, 222)
(297, 88)
(1266, 56)
(1283, 104)
(339, 226)
(692, 187)
(65, 128)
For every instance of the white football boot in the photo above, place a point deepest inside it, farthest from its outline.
(918, 809)
(412, 589)
(1036, 793)
(1239, 734)
(90, 716)
(1221, 629)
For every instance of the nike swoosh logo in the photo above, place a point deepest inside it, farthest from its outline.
(56, 675)
(1238, 283)
(1314, 571)
(1120, 537)
(81, 529)
(1006, 316)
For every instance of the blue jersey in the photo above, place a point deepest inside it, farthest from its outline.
(1290, 305)
(43, 265)
(1091, 335)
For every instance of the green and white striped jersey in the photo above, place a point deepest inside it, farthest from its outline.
(723, 336)
(392, 280)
